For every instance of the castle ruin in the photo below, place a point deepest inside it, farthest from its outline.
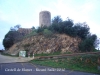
(44, 18)
(25, 31)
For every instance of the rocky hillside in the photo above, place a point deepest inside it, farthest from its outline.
(40, 44)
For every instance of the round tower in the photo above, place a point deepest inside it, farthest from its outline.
(44, 18)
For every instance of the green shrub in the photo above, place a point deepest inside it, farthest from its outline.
(33, 33)
(47, 33)
(88, 44)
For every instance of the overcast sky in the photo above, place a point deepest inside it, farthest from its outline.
(26, 13)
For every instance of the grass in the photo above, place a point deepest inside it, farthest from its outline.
(50, 54)
(87, 63)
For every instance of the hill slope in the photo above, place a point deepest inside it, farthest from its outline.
(40, 44)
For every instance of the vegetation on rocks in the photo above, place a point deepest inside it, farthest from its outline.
(65, 36)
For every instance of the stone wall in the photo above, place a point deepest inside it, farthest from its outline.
(24, 31)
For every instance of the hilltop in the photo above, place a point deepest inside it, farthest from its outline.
(60, 36)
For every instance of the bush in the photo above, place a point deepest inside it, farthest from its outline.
(33, 33)
(10, 38)
(88, 44)
(41, 29)
(47, 33)
(82, 30)
(68, 27)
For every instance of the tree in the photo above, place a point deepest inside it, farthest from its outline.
(11, 37)
(12, 29)
(33, 28)
(68, 23)
(15, 28)
(82, 30)
(56, 20)
(88, 44)
(8, 41)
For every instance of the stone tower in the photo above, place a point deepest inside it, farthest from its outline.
(44, 18)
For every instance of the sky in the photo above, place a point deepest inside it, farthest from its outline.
(26, 13)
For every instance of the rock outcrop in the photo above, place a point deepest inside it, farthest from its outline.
(40, 44)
